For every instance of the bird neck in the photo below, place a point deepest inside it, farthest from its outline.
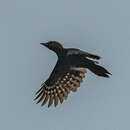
(59, 52)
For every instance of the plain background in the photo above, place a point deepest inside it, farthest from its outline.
(98, 26)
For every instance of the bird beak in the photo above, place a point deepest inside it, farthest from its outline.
(44, 44)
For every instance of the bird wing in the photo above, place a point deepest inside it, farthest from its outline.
(73, 51)
(61, 82)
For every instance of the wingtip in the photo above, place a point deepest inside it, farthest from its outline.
(34, 99)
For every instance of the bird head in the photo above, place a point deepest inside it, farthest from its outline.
(53, 45)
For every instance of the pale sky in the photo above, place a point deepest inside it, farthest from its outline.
(101, 27)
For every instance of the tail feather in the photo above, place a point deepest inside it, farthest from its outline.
(93, 56)
(98, 70)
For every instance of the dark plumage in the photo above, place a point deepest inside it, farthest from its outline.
(68, 73)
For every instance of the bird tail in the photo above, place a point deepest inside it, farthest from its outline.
(96, 69)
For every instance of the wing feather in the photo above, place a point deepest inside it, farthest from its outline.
(45, 100)
(60, 85)
(55, 99)
(41, 98)
(50, 100)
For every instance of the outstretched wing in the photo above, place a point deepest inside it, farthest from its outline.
(61, 82)
(73, 51)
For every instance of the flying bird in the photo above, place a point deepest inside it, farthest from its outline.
(67, 74)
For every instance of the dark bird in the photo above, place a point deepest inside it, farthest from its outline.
(67, 74)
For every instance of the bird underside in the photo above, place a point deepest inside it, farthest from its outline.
(59, 91)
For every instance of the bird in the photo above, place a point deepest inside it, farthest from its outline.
(68, 73)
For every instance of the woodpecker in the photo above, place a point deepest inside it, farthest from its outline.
(68, 73)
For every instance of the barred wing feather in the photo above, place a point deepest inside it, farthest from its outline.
(68, 81)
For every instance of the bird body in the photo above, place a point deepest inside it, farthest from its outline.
(68, 73)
